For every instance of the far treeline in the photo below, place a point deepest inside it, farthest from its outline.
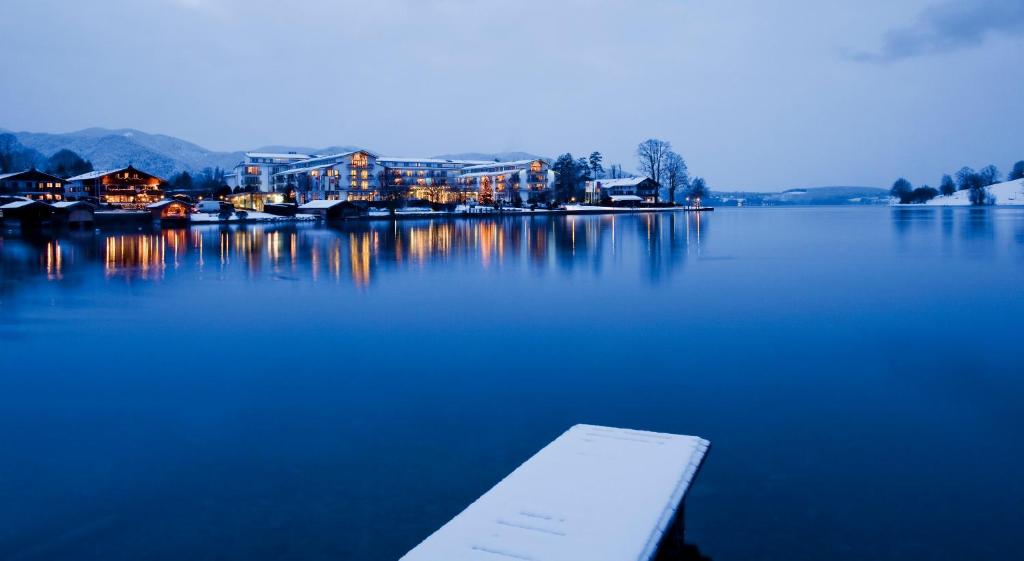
(655, 159)
(976, 183)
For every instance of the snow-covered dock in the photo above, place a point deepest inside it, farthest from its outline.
(594, 493)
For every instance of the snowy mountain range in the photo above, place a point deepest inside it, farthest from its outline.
(166, 155)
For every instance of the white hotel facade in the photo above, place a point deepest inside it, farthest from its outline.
(362, 175)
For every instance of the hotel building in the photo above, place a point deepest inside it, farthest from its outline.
(525, 181)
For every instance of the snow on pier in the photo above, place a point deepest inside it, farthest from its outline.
(594, 493)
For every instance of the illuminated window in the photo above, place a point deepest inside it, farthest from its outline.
(366, 184)
(252, 170)
(364, 174)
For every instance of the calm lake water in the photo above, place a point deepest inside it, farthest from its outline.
(306, 393)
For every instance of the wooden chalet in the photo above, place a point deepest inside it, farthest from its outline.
(33, 184)
(125, 187)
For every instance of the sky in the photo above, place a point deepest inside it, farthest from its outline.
(755, 95)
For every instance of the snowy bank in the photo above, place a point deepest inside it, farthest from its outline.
(1009, 193)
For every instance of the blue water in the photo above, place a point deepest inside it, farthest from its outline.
(312, 393)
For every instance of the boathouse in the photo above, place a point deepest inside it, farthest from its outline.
(26, 212)
(32, 184)
(331, 210)
(595, 494)
(126, 187)
(73, 213)
(169, 211)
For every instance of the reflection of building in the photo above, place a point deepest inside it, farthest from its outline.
(624, 190)
(529, 181)
(125, 187)
(33, 184)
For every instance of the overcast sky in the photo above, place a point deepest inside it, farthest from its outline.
(754, 94)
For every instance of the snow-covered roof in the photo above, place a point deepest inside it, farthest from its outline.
(622, 182)
(392, 159)
(95, 174)
(595, 493)
(516, 163)
(625, 198)
(303, 170)
(164, 202)
(19, 204)
(12, 174)
(320, 204)
(277, 155)
(67, 204)
(488, 173)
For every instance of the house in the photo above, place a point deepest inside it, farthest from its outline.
(624, 190)
(73, 213)
(525, 181)
(124, 187)
(331, 209)
(169, 211)
(26, 212)
(33, 184)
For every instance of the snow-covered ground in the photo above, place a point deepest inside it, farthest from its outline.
(1006, 193)
(250, 216)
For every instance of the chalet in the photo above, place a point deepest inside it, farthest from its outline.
(125, 187)
(169, 211)
(625, 190)
(33, 184)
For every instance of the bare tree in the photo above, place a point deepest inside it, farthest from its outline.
(652, 155)
(676, 176)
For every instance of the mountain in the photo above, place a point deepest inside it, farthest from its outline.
(110, 148)
(830, 195)
(490, 157)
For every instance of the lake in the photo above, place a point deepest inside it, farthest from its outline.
(301, 392)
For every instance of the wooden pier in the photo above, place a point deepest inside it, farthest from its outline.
(595, 493)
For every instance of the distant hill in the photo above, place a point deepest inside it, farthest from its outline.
(490, 156)
(284, 149)
(109, 148)
(829, 195)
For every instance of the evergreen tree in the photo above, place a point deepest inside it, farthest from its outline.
(947, 187)
(596, 170)
(565, 177)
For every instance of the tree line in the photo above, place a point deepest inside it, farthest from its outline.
(16, 157)
(976, 183)
(655, 159)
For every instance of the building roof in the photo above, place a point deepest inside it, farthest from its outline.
(623, 181)
(19, 204)
(277, 155)
(320, 204)
(432, 161)
(494, 164)
(165, 202)
(303, 170)
(595, 493)
(70, 204)
(625, 198)
(32, 170)
(95, 174)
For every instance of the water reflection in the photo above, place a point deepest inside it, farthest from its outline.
(358, 252)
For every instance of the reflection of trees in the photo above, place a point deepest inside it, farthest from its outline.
(354, 252)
